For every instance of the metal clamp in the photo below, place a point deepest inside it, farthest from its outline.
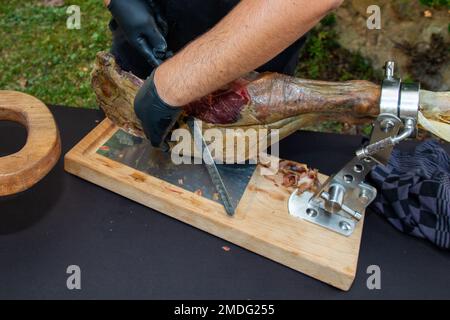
(343, 199)
(379, 146)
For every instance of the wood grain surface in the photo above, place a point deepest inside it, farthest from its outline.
(21, 170)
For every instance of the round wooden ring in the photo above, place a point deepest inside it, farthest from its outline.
(21, 170)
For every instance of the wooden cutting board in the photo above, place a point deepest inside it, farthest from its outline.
(21, 170)
(262, 223)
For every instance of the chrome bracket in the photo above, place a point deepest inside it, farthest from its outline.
(342, 200)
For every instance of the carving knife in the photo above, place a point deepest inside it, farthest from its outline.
(211, 167)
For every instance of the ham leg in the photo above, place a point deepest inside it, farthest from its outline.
(258, 101)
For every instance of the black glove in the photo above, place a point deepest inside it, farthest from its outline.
(143, 26)
(157, 117)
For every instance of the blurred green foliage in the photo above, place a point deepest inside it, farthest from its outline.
(324, 59)
(436, 3)
(40, 56)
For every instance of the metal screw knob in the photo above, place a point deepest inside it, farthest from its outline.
(390, 69)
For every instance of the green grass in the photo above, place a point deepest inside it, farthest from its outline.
(40, 56)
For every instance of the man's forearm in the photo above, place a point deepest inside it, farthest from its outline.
(249, 36)
(106, 2)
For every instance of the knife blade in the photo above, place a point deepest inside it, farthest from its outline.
(211, 167)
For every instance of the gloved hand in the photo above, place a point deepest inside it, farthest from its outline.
(157, 117)
(143, 26)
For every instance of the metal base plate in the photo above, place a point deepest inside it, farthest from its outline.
(301, 207)
(138, 154)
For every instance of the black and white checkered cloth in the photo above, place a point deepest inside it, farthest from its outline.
(414, 192)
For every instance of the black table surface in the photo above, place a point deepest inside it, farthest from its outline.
(126, 250)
